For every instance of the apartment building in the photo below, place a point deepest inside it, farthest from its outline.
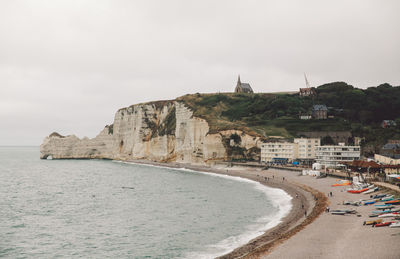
(275, 151)
(307, 147)
(334, 155)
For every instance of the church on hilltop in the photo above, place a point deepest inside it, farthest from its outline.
(242, 87)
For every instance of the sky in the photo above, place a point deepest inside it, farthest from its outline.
(69, 65)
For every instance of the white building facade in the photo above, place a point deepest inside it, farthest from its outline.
(307, 147)
(335, 155)
(275, 150)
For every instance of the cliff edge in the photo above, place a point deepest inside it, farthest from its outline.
(163, 131)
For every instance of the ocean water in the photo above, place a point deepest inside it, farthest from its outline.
(108, 209)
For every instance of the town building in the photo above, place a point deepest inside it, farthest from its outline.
(242, 87)
(307, 147)
(305, 117)
(386, 160)
(307, 92)
(279, 152)
(388, 123)
(333, 155)
(391, 150)
(320, 112)
(302, 149)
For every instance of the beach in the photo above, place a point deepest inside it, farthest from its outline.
(336, 236)
(308, 231)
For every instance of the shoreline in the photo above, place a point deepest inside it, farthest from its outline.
(304, 198)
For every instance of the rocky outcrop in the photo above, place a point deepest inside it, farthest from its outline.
(163, 131)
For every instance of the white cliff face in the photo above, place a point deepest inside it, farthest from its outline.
(160, 131)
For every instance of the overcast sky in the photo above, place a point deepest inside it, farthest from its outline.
(67, 66)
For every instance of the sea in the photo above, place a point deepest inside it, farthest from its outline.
(110, 209)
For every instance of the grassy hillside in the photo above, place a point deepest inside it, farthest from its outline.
(357, 110)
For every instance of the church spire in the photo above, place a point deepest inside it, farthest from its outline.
(307, 83)
(238, 82)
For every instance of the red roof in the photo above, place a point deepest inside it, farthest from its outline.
(363, 164)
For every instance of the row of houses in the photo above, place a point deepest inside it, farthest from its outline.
(307, 151)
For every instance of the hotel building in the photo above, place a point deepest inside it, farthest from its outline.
(334, 155)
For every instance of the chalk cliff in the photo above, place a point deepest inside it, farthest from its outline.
(163, 131)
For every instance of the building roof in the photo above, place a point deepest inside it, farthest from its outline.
(243, 87)
(320, 107)
(391, 146)
(363, 164)
(246, 86)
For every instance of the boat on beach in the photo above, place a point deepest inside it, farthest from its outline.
(343, 212)
(375, 189)
(383, 206)
(377, 196)
(383, 224)
(371, 222)
(353, 203)
(393, 202)
(388, 198)
(357, 190)
(342, 183)
(388, 215)
(395, 225)
(369, 202)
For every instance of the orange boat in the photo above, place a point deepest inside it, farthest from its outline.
(357, 191)
(341, 184)
(393, 202)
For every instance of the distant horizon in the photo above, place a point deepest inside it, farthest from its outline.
(105, 123)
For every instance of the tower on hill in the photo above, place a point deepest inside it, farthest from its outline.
(308, 91)
(242, 87)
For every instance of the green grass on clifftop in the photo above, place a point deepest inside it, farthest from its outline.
(357, 110)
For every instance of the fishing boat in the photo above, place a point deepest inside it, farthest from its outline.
(341, 183)
(395, 225)
(381, 211)
(371, 222)
(371, 190)
(384, 206)
(384, 224)
(354, 203)
(387, 215)
(344, 211)
(357, 190)
(338, 212)
(393, 202)
(388, 198)
(369, 202)
(379, 196)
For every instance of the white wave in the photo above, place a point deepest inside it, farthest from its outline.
(279, 198)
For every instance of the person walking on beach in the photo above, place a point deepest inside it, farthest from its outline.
(330, 194)
(305, 213)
